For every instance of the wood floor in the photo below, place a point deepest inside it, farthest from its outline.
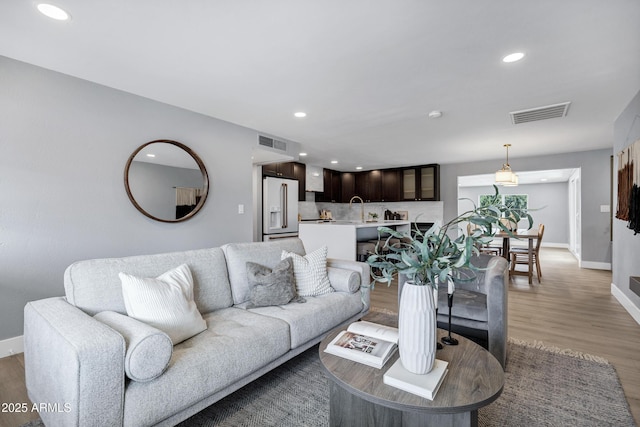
(572, 308)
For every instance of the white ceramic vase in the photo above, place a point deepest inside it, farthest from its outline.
(417, 328)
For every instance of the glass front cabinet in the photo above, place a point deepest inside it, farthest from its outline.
(421, 183)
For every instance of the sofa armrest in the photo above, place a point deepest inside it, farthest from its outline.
(75, 362)
(360, 267)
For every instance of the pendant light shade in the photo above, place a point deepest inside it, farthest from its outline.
(505, 176)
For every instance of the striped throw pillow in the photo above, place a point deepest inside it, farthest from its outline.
(310, 272)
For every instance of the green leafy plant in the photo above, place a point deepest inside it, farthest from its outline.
(434, 256)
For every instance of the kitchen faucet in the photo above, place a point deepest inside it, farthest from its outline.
(361, 205)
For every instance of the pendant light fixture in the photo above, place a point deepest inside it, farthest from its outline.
(505, 176)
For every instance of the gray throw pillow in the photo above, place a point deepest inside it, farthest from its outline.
(271, 287)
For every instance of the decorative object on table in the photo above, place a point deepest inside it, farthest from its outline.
(417, 314)
(373, 217)
(432, 257)
(365, 342)
(449, 340)
(423, 385)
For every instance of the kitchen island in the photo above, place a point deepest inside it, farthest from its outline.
(342, 237)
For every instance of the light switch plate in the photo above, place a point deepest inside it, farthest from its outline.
(240, 209)
(605, 208)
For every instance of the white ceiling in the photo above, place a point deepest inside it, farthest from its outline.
(367, 72)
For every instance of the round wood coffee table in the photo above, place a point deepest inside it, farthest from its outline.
(360, 398)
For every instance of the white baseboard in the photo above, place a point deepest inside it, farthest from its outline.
(11, 346)
(595, 265)
(624, 300)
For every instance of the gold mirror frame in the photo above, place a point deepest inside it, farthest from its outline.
(194, 156)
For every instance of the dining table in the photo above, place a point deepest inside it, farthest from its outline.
(529, 234)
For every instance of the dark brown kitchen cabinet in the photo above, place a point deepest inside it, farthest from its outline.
(390, 188)
(348, 181)
(332, 187)
(281, 170)
(421, 183)
(369, 185)
(300, 174)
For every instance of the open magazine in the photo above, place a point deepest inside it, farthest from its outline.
(365, 342)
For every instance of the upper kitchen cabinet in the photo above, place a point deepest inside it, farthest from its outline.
(300, 174)
(421, 183)
(369, 185)
(332, 187)
(348, 181)
(281, 170)
(390, 188)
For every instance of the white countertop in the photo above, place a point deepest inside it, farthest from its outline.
(356, 224)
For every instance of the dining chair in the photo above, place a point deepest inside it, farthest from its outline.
(488, 249)
(520, 255)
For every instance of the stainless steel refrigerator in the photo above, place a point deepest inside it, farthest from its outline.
(279, 208)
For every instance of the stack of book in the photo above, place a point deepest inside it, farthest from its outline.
(373, 345)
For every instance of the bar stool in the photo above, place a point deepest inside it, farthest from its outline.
(383, 245)
(364, 249)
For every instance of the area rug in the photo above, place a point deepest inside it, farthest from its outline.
(543, 387)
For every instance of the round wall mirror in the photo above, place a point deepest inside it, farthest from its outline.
(166, 181)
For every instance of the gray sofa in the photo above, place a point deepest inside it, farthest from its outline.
(479, 308)
(78, 362)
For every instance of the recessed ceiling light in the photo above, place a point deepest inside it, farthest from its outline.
(435, 114)
(53, 12)
(334, 161)
(151, 155)
(513, 57)
(359, 168)
(300, 114)
(543, 179)
(303, 154)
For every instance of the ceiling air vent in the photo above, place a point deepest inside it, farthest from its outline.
(540, 113)
(265, 141)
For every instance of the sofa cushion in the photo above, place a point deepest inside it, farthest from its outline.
(310, 272)
(318, 315)
(235, 344)
(271, 287)
(165, 302)
(263, 253)
(148, 349)
(94, 285)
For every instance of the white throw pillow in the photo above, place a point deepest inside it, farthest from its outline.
(165, 302)
(310, 272)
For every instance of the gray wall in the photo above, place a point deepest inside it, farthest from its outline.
(551, 197)
(626, 245)
(595, 185)
(64, 143)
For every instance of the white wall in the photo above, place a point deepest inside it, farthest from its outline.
(626, 245)
(64, 143)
